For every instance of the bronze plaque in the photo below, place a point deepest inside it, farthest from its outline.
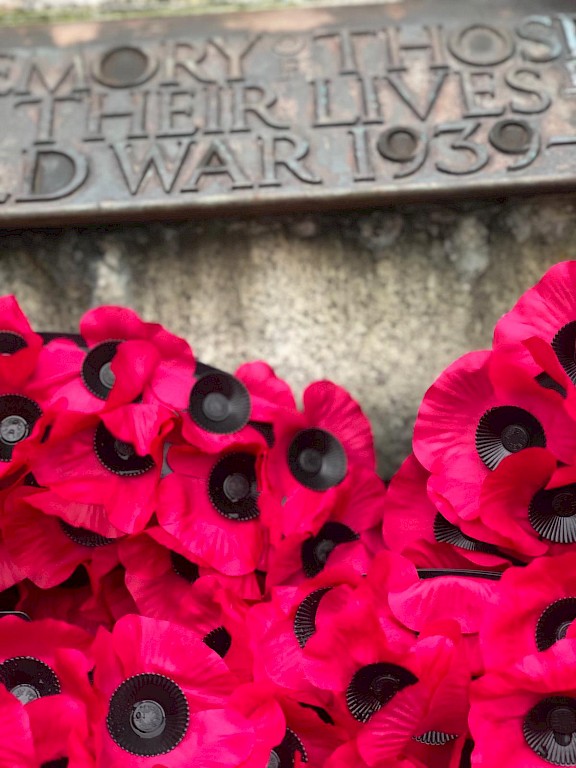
(321, 108)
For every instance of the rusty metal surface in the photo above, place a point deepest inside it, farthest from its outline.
(319, 108)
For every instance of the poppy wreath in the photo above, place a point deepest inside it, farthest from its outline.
(196, 571)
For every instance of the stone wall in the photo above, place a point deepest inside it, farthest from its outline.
(379, 301)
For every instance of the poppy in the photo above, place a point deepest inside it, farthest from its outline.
(151, 677)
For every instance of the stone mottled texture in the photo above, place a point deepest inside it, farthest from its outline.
(378, 301)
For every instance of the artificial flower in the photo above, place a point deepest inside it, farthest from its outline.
(150, 678)
(212, 505)
(524, 715)
(125, 359)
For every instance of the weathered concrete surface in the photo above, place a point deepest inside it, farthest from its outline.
(377, 301)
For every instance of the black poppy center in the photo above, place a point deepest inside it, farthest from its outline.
(218, 640)
(97, 373)
(316, 549)
(305, 616)
(11, 342)
(148, 715)
(273, 761)
(184, 567)
(505, 430)
(564, 504)
(552, 514)
(84, 536)
(564, 345)
(515, 437)
(317, 459)
(373, 686)
(236, 487)
(447, 533)
(284, 755)
(310, 461)
(219, 403)
(18, 414)
(61, 762)
(28, 678)
(148, 719)
(118, 456)
(550, 730)
(435, 738)
(216, 406)
(554, 622)
(232, 487)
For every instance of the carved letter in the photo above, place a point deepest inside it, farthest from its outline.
(249, 97)
(539, 30)
(97, 113)
(171, 63)
(363, 170)
(71, 72)
(568, 22)
(234, 50)
(7, 62)
(323, 115)
(124, 67)
(473, 87)
(569, 28)
(213, 109)
(45, 124)
(154, 162)
(433, 43)
(540, 99)
(169, 111)
(272, 159)
(481, 45)
(218, 159)
(346, 47)
(52, 174)
(371, 107)
(409, 97)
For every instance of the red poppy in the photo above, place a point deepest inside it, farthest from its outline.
(45, 548)
(20, 347)
(42, 658)
(281, 628)
(406, 702)
(413, 526)
(107, 466)
(201, 599)
(524, 716)
(126, 359)
(287, 732)
(348, 756)
(157, 565)
(516, 628)
(47, 731)
(347, 531)
(150, 678)
(547, 311)
(72, 602)
(224, 410)
(212, 504)
(530, 503)
(482, 409)
(316, 449)
(408, 600)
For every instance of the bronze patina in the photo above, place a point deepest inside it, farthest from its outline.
(321, 108)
